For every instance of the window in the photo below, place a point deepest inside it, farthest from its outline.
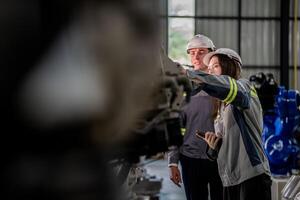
(181, 28)
(252, 28)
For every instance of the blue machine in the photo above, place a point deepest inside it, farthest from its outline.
(281, 124)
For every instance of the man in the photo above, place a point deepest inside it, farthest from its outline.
(197, 171)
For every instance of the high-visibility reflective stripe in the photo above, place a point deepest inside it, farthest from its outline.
(253, 92)
(230, 91)
(253, 89)
(182, 130)
(234, 92)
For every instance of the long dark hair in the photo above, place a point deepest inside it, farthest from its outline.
(231, 68)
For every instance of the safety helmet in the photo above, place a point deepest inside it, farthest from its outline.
(224, 51)
(200, 41)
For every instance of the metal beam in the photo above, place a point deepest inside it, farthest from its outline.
(284, 43)
(240, 27)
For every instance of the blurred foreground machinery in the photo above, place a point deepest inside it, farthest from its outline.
(281, 124)
(83, 84)
(160, 129)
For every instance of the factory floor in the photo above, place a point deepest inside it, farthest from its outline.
(169, 190)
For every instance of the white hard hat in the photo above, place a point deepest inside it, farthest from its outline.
(200, 41)
(224, 51)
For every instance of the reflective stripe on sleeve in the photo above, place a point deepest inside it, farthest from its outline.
(235, 89)
(230, 91)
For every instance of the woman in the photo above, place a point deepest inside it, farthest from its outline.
(243, 166)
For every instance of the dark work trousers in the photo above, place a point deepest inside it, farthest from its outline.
(197, 174)
(256, 188)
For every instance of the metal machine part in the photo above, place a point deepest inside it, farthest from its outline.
(297, 197)
(142, 185)
(291, 190)
(281, 119)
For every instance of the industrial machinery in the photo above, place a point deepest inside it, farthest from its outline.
(281, 124)
(160, 129)
(291, 190)
(84, 84)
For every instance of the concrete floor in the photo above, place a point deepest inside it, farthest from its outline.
(169, 190)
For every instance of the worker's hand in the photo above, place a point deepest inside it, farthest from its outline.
(192, 75)
(175, 175)
(210, 138)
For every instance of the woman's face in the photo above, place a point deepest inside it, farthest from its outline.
(214, 66)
